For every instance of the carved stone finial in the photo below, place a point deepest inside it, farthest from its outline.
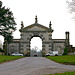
(50, 28)
(36, 19)
(50, 24)
(22, 25)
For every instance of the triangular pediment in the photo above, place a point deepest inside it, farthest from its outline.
(35, 27)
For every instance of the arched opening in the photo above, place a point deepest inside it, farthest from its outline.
(36, 47)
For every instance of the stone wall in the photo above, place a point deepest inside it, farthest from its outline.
(59, 45)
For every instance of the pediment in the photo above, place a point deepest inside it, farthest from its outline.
(35, 27)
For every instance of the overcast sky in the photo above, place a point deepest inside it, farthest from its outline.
(55, 11)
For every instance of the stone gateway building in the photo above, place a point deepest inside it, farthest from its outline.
(22, 45)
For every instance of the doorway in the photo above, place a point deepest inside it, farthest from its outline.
(36, 47)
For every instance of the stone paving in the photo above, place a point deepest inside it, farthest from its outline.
(33, 66)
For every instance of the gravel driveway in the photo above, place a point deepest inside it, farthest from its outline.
(33, 66)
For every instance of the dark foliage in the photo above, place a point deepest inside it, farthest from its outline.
(1, 50)
(7, 22)
(65, 51)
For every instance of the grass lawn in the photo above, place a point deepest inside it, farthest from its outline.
(65, 73)
(67, 59)
(4, 58)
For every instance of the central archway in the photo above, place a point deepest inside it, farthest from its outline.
(36, 46)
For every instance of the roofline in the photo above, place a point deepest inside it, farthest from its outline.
(58, 39)
(34, 24)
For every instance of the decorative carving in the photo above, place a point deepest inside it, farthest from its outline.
(50, 45)
(30, 34)
(22, 25)
(43, 45)
(50, 34)
(35, 33)
(50, 24)
(50, 28)
(36, 19)
(28, 45)
(28, 38)
(43, 38)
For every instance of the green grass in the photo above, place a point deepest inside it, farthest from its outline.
(4, 58)
(65, 73)
(67, 59)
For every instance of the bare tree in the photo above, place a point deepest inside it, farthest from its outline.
(71, 5)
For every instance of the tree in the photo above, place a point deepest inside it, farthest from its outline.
(65, 51)
(7, 23)
(1, 50)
